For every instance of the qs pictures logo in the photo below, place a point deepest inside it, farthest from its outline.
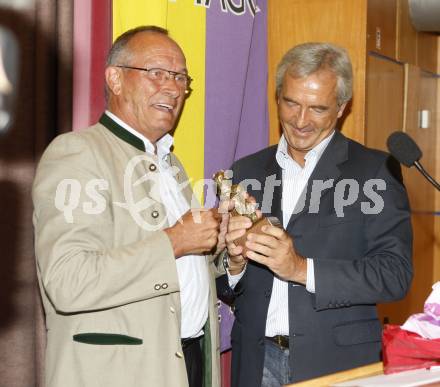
(69, 192)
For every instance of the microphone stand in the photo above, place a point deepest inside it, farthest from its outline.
(427, 175)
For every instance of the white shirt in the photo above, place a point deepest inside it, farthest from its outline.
(192, 270)
(294, 178)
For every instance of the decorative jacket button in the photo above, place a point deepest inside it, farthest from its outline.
(164, 286)
(157, 287)
(155, 214)
(152, 167)
(179, 355)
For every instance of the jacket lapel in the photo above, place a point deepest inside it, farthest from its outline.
(327, 168)
(122, 133)
(273, 169)
(261, 274)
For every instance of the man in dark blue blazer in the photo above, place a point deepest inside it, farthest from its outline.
(306, 294)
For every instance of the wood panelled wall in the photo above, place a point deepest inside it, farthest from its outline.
(395, 76)
(437, 174)
(291, 22)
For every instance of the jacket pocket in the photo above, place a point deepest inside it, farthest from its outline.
(106, 339)
(358, 332)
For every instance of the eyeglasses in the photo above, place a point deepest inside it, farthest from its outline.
(160, 75)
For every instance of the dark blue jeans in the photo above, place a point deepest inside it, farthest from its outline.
(276, 366)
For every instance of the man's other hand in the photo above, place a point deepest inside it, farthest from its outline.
(195, 233)
(275, 249)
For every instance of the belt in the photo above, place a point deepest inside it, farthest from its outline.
(190, 341)
(280, 340)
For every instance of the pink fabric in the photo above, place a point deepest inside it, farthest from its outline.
(92, 40)
(82, 29)
(101, 43)
(225, 364)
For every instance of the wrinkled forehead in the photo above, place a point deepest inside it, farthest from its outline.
(320, 79)
(151, 44)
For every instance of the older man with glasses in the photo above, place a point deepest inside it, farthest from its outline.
(124, 263)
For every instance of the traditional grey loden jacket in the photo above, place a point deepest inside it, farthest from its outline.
(106, 270)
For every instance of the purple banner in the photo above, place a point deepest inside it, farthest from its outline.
(236, 115)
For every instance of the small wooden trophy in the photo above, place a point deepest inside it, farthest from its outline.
(227, 191)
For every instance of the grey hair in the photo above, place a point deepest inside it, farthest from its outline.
(118, 51)
(308, 58)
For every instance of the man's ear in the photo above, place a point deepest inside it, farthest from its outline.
(341, 109)
(113, 79)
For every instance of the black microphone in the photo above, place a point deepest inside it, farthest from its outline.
(407, 152)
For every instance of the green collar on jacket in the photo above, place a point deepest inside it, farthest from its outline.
(120, 132)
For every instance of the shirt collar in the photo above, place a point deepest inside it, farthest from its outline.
(282, 155)
(163, 145)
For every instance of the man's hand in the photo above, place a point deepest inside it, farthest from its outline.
(236, 228)
(275, 250)
(196, 233)
(224, 208)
